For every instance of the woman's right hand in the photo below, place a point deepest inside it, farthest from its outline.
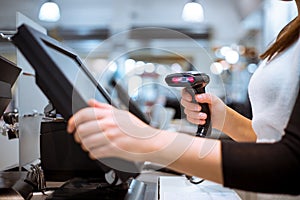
(193, 110)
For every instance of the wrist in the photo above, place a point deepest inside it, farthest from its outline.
(219, 121)
(169, 146)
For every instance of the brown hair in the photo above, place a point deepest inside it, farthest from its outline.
(287, 36)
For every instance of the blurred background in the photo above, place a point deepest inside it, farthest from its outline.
(136, 43)
(131, 45)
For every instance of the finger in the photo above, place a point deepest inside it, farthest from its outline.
(186, 95)
(95, 141)
(77, 138)
(196, 115)
(85, 115)
(204, 98)
(90, 127)
(71, 125)
(84, 148)
(101, 152)
(91, 156)
(190, 105)
(97, 104)
(74, 119)
(196, 121)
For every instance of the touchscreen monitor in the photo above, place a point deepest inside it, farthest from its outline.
(67, 83)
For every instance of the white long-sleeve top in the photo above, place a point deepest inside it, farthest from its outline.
(272, 91)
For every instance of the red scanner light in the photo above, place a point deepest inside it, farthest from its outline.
(183, 79)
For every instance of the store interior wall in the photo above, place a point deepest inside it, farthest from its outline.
(138, 42)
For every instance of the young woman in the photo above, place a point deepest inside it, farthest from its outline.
(105, 131)
(272, 92)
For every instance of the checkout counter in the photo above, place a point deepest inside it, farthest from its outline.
(65, 171)
(155, 186)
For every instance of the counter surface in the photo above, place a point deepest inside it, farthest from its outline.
(150, 178)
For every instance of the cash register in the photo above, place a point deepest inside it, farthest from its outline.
(9, 74)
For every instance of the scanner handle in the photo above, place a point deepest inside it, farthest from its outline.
(203, 130)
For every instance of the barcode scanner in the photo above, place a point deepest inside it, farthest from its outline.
(195, 83)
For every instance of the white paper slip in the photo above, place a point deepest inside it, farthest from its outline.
(179, 188)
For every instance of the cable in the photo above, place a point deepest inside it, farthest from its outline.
(6, 35)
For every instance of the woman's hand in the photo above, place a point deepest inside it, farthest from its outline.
(105, 131)
(193, 110)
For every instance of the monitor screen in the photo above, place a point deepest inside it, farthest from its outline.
(86, 84)
(79, 77)
(9, 74)
(67, 83)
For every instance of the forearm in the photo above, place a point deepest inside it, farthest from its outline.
(191, 155)
(238, 127)
(202, 159)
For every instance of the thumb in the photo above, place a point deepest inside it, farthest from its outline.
(96, 104)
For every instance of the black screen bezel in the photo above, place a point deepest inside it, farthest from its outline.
(60, 91)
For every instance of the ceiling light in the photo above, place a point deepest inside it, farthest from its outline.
(193, 12)
(49, 12)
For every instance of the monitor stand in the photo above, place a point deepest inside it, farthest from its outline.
(89, 188)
